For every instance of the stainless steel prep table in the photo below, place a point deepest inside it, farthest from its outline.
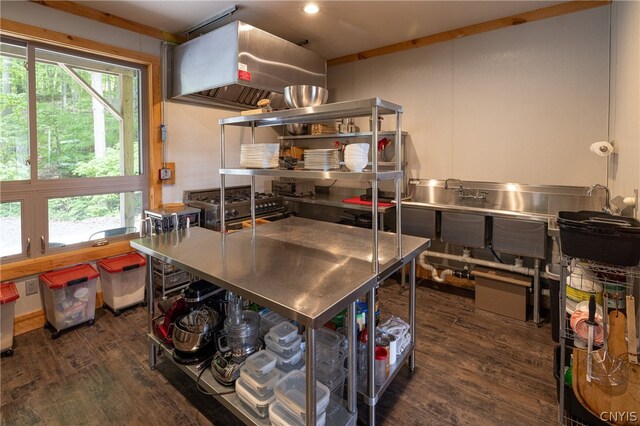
(327, 267)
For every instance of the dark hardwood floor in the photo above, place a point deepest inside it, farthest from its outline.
(473, 368)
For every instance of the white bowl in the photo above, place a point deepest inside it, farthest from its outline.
(355, 165)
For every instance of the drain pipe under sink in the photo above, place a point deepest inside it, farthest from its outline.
(518, 267)
(434, 272)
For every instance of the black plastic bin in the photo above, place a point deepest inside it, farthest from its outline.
(572, 406)
(600, 237)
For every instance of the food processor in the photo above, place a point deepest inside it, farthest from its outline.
(239, 338)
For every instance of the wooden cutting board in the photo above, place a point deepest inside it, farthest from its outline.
(618, 399)
(617, 329)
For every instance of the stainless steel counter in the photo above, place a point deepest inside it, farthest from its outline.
(303, 269)
(335, 200)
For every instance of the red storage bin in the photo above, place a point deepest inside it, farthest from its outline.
(69, 296)
(122, 279)
(8, 296)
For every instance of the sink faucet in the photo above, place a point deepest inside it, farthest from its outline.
(607, 205)
(446, 183)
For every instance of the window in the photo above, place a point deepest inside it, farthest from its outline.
(71, 152)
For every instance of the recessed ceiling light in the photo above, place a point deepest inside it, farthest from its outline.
(311, 9)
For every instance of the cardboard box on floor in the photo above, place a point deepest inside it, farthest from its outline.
(502, 292)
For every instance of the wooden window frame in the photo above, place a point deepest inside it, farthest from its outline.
(17, 269)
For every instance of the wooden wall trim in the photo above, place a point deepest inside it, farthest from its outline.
(107, 18)
(33, 33)
(36, 319)
(534, 15)
(38, 265)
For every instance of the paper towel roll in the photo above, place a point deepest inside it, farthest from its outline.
(602, 148)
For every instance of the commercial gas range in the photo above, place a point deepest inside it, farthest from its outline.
(237, 206)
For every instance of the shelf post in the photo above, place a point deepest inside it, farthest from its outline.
(352, 378)
(311, 375)
(223, 226)
(374, 189)
(150, 308)
(253, 180)
(412, 313)
(371, 349)
(399, 185)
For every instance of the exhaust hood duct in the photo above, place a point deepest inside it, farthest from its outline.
(235, 66)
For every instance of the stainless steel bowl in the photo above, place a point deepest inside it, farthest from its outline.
(304, 95)
(298, 129)
(190, 341)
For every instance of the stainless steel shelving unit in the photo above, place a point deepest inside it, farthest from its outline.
(372, 108)
(614, 280)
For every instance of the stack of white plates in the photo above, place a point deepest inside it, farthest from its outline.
(259, 155)
(321, 159)
(356, 156)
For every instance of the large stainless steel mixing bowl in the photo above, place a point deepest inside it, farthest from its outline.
(304, 95)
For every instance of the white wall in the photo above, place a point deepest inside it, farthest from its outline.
(626, 97)
(193, 143)
(521, 104)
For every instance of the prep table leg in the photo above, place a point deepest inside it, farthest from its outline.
(371, 346)
(536, 291)
(150, 307)
(412, 312)
(352, 378)
(311, 376)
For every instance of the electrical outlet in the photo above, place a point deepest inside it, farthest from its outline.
(165, 174)
(31, 286)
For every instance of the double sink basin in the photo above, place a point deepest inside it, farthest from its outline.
(513, 218)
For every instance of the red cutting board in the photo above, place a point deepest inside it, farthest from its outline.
(357, 200)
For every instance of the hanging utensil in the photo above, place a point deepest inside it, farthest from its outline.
(631, 330)
(592, 322)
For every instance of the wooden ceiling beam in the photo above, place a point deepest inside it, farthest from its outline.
(107, 18)
(495, 24)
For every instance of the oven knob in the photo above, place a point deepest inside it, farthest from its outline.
(234, 212)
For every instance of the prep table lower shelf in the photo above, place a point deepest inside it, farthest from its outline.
(393, 371)
(337, 413)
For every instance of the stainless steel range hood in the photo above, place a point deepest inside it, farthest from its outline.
(235, 66)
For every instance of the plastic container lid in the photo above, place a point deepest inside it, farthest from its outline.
(281, 417)
(291, 393)
(381, 353)
(8, 293)
(262, 384)
(286, 361)
(284, 350)
(283, 333)
(259, 404)
(260, 363)
(271, 317)
(328, 338)
(69, 276)
(122, 263)
(331, 378)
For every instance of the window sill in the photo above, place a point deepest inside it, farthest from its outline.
(23, 268)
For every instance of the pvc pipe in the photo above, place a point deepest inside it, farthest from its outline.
(434, 271)
(467, 259)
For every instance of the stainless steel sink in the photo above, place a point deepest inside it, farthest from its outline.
(519, 237)
(465, 229)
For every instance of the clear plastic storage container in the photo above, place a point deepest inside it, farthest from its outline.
(331, 364)
(285, 350)
(283, 333)
(291, 393)
(8, 296)
(258, 404)
(333, 379)
(262, 384)
(268, 320)
(261, 362)
(287, 364)
(328, 345)
(279, 416)
(69, 296)
(122, 279)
